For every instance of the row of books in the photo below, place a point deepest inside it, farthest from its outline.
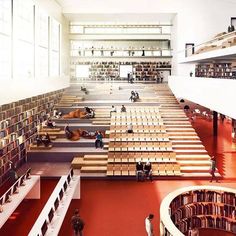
(207, 222)
(203, 196)
(203, 209)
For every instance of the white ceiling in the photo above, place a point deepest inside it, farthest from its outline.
(121, 18)
(98, 11)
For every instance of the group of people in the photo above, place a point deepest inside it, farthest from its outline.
(143, 171)
(43, 139)
(134, 96)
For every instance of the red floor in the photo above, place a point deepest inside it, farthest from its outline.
(118, 208)
(22, 220)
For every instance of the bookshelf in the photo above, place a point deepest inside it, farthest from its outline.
(101, 70)
(216, 70)
(202, 206)
(18, 126)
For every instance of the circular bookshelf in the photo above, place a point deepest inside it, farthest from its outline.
(208, 207)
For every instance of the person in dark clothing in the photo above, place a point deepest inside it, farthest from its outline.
(46, 140)
(213, 169)
(222, 117)
(139, 171)
(68, 132)
(123, 108)
(49, 123)
(38, 139)
(148, 170)
(98, 141)
(12, 174)
(77, 223)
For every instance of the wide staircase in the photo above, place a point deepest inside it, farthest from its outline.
(162, 133)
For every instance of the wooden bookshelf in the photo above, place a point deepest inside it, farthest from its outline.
(18, 126)
(199, 206)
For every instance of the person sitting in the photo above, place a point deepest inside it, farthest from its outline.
(148, 170)
(68, 132)
(130, 128)
(123, 108)
(89, 112)
(139, 171)
(136, 95)
(38, 140)
(56, 114)
(46, 140)
(98, 141)
(113, 109)
(132, 98)
(49, 123)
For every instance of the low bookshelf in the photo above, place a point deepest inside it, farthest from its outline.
(209, 207)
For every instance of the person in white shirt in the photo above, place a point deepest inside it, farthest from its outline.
(113, 109)
(130, 128)
(193, 232)
(148, 225)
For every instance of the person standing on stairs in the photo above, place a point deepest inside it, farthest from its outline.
(98, 141)
(213, 169)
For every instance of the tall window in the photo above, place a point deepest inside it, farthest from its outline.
(5, 39)
(41, 41)
(55, 48)
(23, 23)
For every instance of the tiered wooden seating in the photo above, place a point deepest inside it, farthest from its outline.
(148, 142)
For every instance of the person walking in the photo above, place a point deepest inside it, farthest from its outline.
(148, 225)
(77, 224)
(98, 141)
(213, 169)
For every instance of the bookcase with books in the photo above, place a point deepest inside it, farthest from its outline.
(18, 126)
(100, 70)
(198, 206)
(216, 70)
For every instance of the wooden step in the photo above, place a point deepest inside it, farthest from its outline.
(190, 151)
(192, 157)
(41, 147)
(187, 146)
(195, 163)
(190, 169)
(179, 133)
(94, 162)
(95, 157)
(77, 162)
(186, 137)
(94, 169)
(183, 142)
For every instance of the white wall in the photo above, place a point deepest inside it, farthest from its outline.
(216, 94)
(197, 20)
(19, 89)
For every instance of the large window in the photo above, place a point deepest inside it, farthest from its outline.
(23, 25)
(41, 43)
(55, 48)
(5, 39)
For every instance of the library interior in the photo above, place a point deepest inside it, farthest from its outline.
(111, 118)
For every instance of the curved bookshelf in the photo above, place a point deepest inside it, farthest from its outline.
(204, 206)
